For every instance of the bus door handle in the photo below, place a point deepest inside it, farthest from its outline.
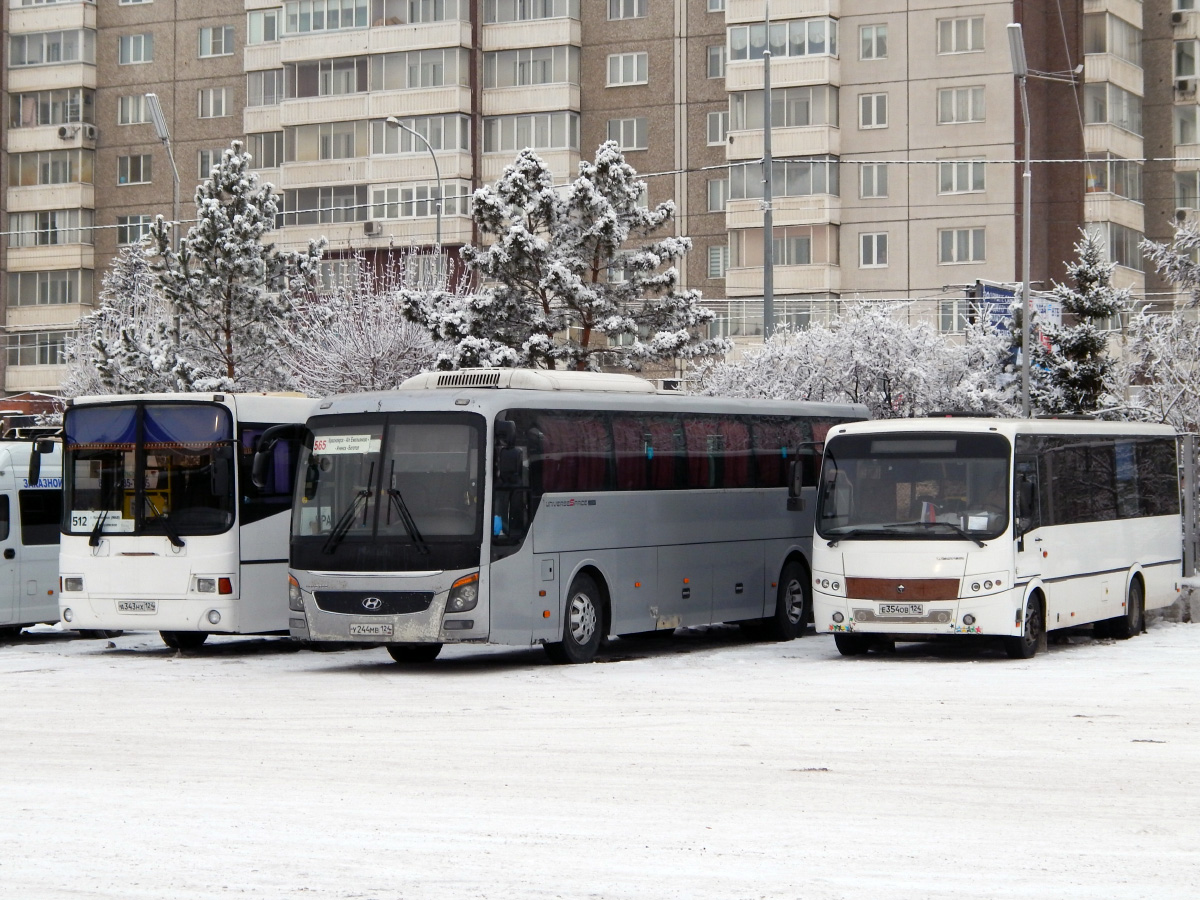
(10, 553)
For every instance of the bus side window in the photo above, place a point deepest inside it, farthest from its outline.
(4, 517)
(1025, 497)
(41, 514)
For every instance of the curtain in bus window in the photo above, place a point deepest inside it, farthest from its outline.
(776, 440)
(705, 445)
(736, 460)
(102, 428)
(664, 443)
(575, 452)
(629, 443)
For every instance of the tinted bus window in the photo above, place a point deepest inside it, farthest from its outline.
(276, 496)
(4, 517)
(41, 513)
(573, 451)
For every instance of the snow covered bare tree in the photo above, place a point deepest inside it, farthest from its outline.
(1160, 369)
(1074, 370)
(354, 336)
(232, 291)
(871, 355)
(563, 290)
(119, 348)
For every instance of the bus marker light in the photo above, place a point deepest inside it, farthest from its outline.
(541, 593)
(637, 584)
(224, 586)
(68, 614)
(459, 624)
(987, 585)
(545, 613)
(687, 581)
(213, 617)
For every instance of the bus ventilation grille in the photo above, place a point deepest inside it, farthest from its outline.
(469, 379)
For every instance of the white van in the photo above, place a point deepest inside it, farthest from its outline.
(30, 517)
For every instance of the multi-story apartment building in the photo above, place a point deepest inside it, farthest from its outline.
(896, 134)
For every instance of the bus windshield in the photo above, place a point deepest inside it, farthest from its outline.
(149, 468)
(394, 492)
(910, 485)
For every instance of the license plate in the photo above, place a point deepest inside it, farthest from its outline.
(371, 629)
(901, 609)
(137, 606)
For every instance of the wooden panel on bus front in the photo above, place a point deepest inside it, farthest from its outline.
(902, 588)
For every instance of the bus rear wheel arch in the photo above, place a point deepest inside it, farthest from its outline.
(1033, 629)
(585, 622)
(183, 640)
(793, 603)
(1132, 620)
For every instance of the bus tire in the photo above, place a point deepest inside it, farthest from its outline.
(851, 644)
(10, 632)
(583, 624)
(793, 604)
(183, 640)
(97, 634)
(414, 653)
(1025, 645)
(1126, 626)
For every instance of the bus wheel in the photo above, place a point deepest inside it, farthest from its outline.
(99, 634)
(583, 625)
(10, 632)
(1025, 645)
(852, 644)
(1124, 627)
(414, 653)
(793, 605)
(183, 640)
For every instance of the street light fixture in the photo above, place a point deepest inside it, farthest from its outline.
(1016, 48)
(396, 123)
(159, 121)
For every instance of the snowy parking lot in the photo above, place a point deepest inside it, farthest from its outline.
(705, 766)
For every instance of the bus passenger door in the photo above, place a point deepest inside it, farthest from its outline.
(9, 545)
(1027, 530)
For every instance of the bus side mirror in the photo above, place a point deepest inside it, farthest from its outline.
(260, 468)
(35, 465)
(506, 432)
(510, 466)
(802, 473)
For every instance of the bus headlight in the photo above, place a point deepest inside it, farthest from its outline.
(464, 594)
(73, 583)
(214, 617)
(295, 598)
(206, 585)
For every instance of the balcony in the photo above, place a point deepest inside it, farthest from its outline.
(51, 256)
(418, 167)
(393, 38)
(563, 163)
(262, 56)
(324, 172)
(1106, 138)
(748, 282)
(785, 72)
(529, 99)
(1102, 67)
(46, 315)
(50, 17)
(739, 11)
(1187, 157)
(420, 101)
(341, 108)
(52, 196)
(819, 209)
(51, 77)
(539, 33)
(34, 378)
(261, 118)
(1105, 207)
(809, 140)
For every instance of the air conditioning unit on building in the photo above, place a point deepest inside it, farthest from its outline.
(1185, 86)
(66, 132)
(1181, 214)
(1176, 18)
(90, 132)
(372, 228)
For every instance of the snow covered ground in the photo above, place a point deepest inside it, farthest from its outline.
(706, 766)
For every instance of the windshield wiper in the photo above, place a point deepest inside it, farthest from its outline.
(406, 520)
(168, 526)
(94, 540)
(959, 531)
(345, 520)
(862, 532)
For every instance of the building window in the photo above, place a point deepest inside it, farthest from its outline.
(538, 131)
(213, 103)
(528, 10)
(50, 227)
(959, 245)
(872, 110)
(957, 105)
(417, 69)
(53, 288)
(535, 65)
(716, 61)
(417, 11)
(265, 149)
(630, 134)
(961, 177)
(627, 68)
(343, 75)
(448, 132)
(794, 245)
(60, 107)
(872, 42)
(135, 48)
(264, 88)
(134, 169)
(1124, 244)
(42, 348)
(418, 201)
(51, 167)
(205, 161)
(304, 16)
(718, 127)
(131, 110)
(955, 314)
(873, 181)
(133, 2)
(873, 250)
(789, 178)
(1105, 103)
(216, 41)
(797, 37)
(626, 9)
(49, 48)
(325, 205)
(718, 261)
(794, 107)
(716, 5)
(262, 26)
(718, 194)
(1106, 33)
(960, 35)
(131, 229)
(327, 140)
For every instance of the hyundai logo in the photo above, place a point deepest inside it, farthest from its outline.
(372, 603)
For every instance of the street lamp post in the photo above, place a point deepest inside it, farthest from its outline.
(396, 123)
(1016, 47)
(160, 128)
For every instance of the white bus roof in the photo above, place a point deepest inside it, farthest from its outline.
(262, 406)
(531, 380)
(1007, 427)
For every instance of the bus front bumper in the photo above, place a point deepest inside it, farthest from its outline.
(216, 615)
(995, 614)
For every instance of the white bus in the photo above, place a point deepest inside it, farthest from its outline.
(30, 511)
(538, 507)
(1008, 527)
(163, 528)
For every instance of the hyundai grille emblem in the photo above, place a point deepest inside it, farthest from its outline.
(372, 603)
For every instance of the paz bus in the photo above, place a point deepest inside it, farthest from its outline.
(527, 507)
(162, 527)
(30, 510)
(1006, 527)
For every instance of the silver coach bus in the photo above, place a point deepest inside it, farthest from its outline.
(538, 507)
